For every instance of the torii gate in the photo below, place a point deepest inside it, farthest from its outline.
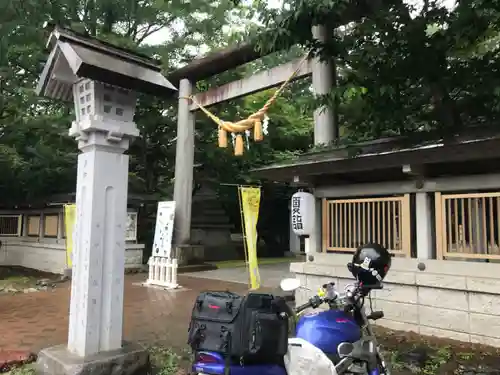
(325, 124)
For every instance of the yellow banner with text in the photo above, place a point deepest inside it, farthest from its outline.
(69, 223)
(250, 204)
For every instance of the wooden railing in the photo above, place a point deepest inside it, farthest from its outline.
(10, 225)
(468, 225)
(350, 223)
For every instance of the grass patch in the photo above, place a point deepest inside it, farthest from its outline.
(14, 279)
(437, 360)
(166, 361)
(410, 353)
(28, 369)
(17, 282)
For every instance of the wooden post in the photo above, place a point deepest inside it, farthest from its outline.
(406, 227)
(440, 228)
(325, 221)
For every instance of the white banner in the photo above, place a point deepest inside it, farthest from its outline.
(162, 245)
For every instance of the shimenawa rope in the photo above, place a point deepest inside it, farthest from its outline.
(252, 121)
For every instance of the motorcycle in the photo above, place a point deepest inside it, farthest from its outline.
(335, 341)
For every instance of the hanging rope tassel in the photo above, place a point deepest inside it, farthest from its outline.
(239, 145)
(222, 137)
(257, 131)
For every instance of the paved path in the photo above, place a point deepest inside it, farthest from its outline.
(33, 321)
(270, 274)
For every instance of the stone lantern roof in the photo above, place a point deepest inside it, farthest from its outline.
(74, 56)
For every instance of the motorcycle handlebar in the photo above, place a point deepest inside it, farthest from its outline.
(313, 302)
(372, 287)
(303, 307)
(350, 298)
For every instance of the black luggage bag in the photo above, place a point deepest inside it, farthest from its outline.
(249, 329)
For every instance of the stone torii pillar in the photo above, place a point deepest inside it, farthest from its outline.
(184, 250)
(184, 160)
(323, 80)
(102, 81)
(325, 125)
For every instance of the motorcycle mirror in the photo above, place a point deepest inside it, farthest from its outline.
(289, 285)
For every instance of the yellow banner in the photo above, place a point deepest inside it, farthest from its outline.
(250, 202)
(69, 222)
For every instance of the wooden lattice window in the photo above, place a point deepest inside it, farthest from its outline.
(50, 225)
(33, 225)
(10, 225)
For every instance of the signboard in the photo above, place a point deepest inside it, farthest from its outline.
(131, 228)
(162, 245)
(302, 213)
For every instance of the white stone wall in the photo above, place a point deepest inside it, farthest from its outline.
(133, 255)
(51, 256)
(451, 299)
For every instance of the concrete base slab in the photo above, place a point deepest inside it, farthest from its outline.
(131, 359)
(189, 254)
(178, 288)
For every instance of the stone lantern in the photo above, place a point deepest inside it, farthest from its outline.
(102, 81)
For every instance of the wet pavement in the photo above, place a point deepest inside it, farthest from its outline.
(270, 274)
(33, 321)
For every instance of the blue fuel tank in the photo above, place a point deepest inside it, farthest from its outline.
(327, 329)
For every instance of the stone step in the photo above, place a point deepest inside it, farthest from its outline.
(208, 210)
(196, 268)
(207, 220)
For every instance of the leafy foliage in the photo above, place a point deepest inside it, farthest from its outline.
(402, 69)
(38, 158)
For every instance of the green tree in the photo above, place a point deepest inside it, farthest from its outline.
(404, 70)
(38, 159)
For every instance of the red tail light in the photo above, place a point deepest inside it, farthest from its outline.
(206, 358)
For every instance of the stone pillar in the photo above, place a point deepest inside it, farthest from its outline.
(184, 160)
(315, 243)
(325, 124)
(294, 242)
(423, 215)
(103, 134)
(103, 127)
(323, 80)
(41, 226)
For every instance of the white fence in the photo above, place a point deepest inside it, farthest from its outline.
(162, 272)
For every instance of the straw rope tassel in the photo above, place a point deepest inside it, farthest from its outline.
(257, 131)
(222, 137)
(239, 145)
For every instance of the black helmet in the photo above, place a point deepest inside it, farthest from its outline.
(370, 263)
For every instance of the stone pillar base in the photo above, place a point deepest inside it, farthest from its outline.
(189, 254)
(131, 359)
(68, 273)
